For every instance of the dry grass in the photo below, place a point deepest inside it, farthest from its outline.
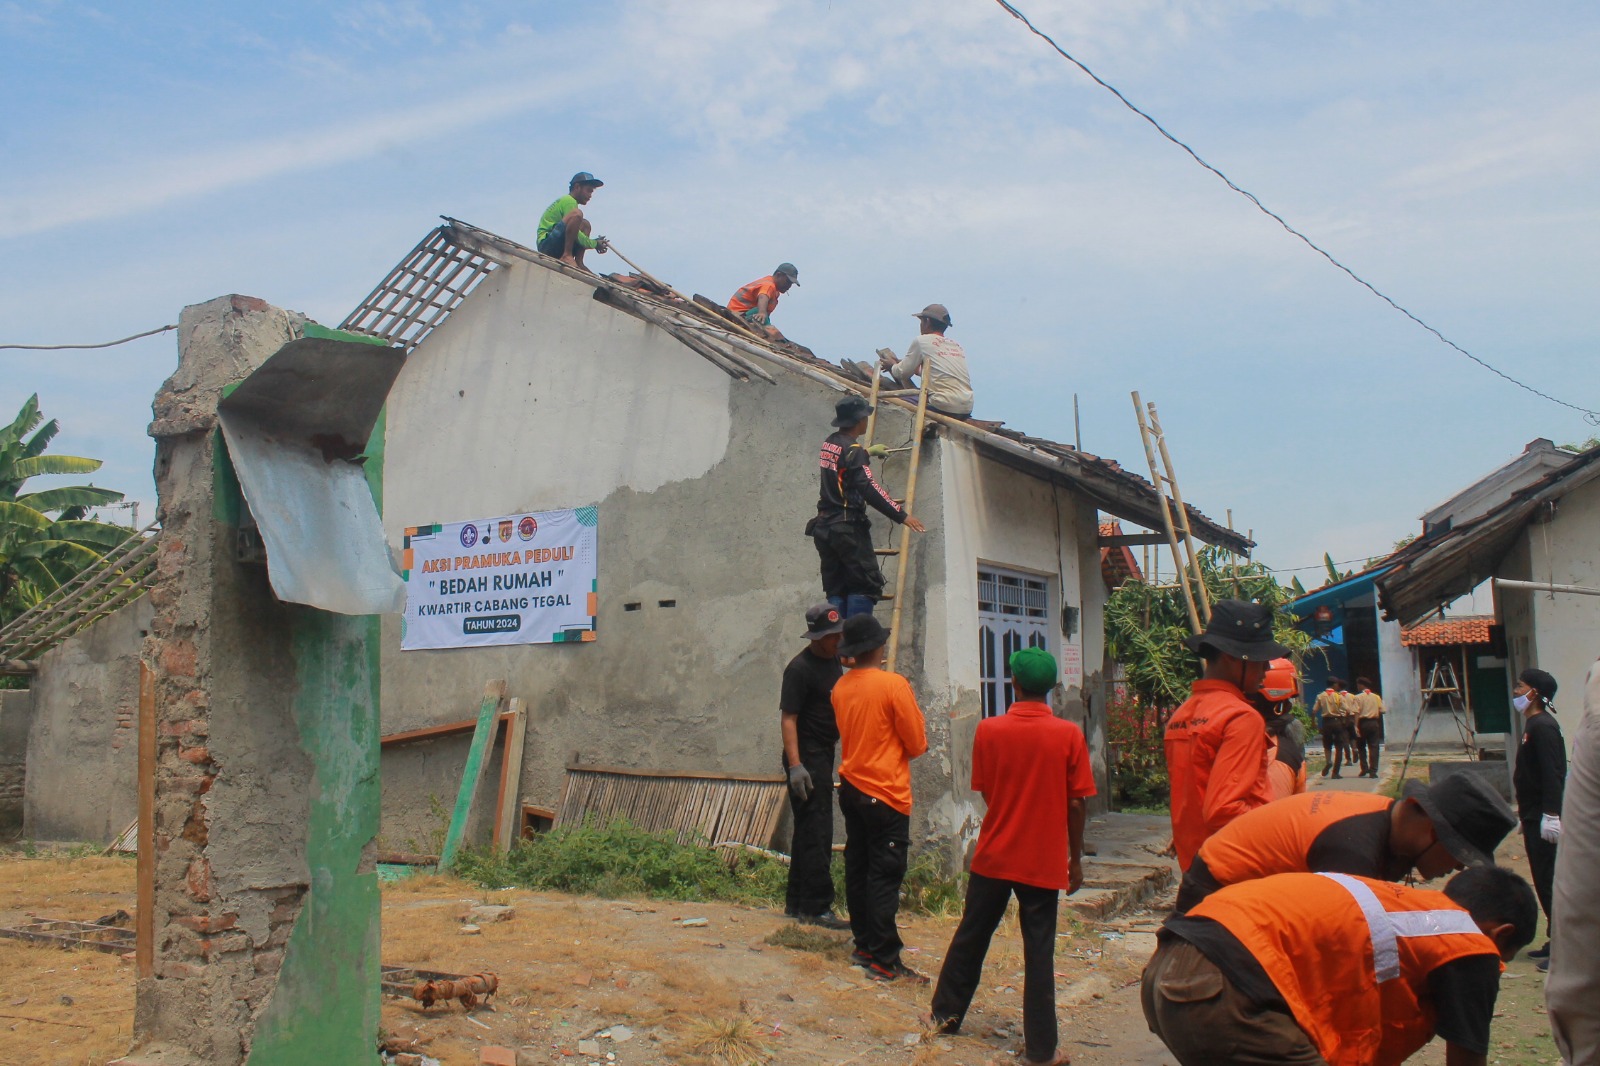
(78, 889)
(39, 1025)
(835, 946)
(724, 1042)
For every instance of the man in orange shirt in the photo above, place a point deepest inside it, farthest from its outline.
(1033, 770)
(1334, 970)
(880, 731)
(756, 301)
(1216, 742)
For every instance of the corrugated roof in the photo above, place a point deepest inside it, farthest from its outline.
(1467, 629)
(419, 294)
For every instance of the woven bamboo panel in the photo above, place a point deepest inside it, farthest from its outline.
(697, 808)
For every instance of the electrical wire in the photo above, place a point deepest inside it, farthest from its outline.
(1318, 566)
(107, 344)
(1590, 416)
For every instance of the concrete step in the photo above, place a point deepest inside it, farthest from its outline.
(1114, 888)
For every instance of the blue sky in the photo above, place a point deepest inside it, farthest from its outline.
(157, 155)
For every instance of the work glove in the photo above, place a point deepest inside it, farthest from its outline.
(1549, 824)
(800, 785)
(877, 451)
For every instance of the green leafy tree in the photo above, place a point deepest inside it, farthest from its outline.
(46, 536)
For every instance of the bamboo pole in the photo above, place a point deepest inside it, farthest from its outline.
(1204, 597)
(902, 558)
(1166, 514)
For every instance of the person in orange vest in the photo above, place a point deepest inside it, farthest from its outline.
(1434, 830)
(756, 301)
(1286, 735)
(1216, 742)
(1334, 970)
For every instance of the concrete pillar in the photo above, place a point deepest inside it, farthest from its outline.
(266, 903)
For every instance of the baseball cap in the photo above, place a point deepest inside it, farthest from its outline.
(1033, 670)
(583, 177)
(937, 313)
(789, 269)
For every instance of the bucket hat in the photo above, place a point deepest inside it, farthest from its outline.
(1469, 817)
(1241, 629)
(862, 633)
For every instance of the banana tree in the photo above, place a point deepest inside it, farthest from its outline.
(46, 537)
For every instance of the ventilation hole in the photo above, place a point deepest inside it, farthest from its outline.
(632, 606)
(666, 603)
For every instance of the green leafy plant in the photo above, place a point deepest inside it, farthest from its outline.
(46, 537)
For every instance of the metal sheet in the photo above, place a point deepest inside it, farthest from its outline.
(295, 430)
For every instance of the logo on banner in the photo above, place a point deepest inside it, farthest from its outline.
(469, 536)
(505, 529)
(527, 527)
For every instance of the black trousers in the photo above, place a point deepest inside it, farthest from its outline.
(876, 837)
(987, 898)
(1541, 863)
(849, 565)
(1369, 732)
(1333, 744)
(810, 889)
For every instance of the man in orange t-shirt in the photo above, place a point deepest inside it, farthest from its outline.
(1033, 770)
(1216, 742)
(756, 301)
(880, 731)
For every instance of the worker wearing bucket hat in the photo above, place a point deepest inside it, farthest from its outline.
(942, 360)
(1216, 742)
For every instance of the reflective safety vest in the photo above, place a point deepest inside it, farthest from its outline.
(1276, 839)
(1351, 956)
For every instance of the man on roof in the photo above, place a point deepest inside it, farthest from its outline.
(938, 358)
(564, 232)
(1433, 830)
(1216, 742)
(1334, 970)
(756, 301)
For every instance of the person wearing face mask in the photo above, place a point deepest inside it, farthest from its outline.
(1216, 742)
(1539, 779)
(1432, 830)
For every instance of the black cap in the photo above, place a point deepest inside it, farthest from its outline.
(1540, 681)
(1241, 629)
(1469, 817)
(862, 633)
(823, 620)
(850, 410)
(583, 177)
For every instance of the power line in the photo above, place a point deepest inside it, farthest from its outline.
(107, 344)
(1318, 566)
(1592, 417)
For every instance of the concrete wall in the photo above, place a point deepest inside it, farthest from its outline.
(83, 746)
(533, 396)
(16, 716)
(1402, 697)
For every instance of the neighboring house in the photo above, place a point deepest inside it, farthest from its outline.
(1349, 640)
(532, 387)
(1531, 529)
(1466, 653)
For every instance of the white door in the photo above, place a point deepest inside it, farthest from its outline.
(1013, 613)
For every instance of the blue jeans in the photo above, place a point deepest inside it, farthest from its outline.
(852, 605)
(555, 242)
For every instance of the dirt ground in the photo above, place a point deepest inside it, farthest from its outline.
(627, 982)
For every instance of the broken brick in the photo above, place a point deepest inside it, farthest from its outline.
(198, 880)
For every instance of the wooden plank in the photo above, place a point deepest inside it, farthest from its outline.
(466, 725)
(145, 905)
(472, 775)
(505, 818)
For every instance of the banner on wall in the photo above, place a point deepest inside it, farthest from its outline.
(517, 579)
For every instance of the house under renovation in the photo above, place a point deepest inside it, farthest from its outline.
(532, 391)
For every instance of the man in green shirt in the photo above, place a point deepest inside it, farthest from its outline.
(563, 231)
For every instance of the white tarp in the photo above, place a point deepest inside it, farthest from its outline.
(516, 579)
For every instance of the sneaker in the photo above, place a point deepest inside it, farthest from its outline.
(1543, 965)
(906, 973)
(1541, 953)
(825, 920)
(861, 959)
(876, 972)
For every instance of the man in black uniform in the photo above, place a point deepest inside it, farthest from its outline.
(1539, 782)
(842, 531)
(810, 736)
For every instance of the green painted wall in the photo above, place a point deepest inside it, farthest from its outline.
(325, 1007)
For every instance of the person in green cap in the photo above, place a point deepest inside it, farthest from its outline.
(563, 231)
(1033, 770)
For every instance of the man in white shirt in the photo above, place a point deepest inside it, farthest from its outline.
(949, 388)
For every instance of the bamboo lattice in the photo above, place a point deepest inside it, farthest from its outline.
(118, 578)
(711, 809)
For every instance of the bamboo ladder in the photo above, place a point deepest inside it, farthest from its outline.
(1185, 561)
(901, 554)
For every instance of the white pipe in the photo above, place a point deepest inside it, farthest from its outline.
(1537, 586)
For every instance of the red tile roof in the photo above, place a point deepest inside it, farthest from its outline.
(1117, 564)
(1468, 629)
